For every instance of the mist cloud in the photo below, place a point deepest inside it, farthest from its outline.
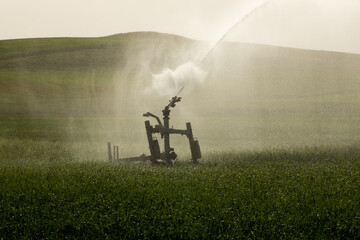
(170, 82)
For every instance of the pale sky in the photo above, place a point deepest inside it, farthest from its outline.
(332, 25)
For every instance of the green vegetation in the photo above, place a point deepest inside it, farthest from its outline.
(278, 128)
(56, 183)
(275, 194)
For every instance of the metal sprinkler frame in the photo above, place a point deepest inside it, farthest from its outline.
(169, 155)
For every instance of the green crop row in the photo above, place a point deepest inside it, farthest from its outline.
(273, 194)
(56, 183)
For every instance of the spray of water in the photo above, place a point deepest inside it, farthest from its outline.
(189, 74)
(233, 26)
(171, 82)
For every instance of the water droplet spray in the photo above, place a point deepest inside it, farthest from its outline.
(170, 82)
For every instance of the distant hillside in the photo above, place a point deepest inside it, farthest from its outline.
(108, 75)
(279, 79)
(81, 75)
(86, 53)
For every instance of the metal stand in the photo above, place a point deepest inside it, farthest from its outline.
(168, 156)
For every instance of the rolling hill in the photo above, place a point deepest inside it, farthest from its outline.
(110, 75)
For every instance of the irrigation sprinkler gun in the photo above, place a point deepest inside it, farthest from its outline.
(169, 155)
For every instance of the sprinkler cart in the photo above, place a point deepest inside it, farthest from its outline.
(156, 156)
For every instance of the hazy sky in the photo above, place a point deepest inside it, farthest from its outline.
(311, 24)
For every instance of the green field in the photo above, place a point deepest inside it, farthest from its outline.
(278, 128)
(53, 187)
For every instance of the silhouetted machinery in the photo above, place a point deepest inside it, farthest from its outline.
(156, 156)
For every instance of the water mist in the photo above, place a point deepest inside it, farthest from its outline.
(171, 82)
(189, 75)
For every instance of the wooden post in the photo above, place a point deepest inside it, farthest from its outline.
(114, 152)
(117, 152)
(109, 152)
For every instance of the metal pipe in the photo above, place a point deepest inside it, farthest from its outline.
(149, 133)
(149, 114)
(166, 113)
(191, 142)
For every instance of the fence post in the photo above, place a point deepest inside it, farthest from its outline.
(109, 152)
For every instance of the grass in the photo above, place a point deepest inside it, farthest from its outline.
(303, 194)
(53, 186)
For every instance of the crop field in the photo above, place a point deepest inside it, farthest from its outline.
(278, 129)
(52, 187)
